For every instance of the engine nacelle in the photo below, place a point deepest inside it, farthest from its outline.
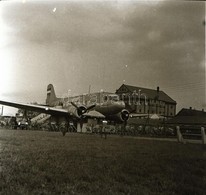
(121, 116)
(77, 111)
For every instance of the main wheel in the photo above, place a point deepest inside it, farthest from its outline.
(63, 129)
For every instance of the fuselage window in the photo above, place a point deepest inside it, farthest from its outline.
(105, 98)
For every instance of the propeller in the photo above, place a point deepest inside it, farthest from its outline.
(82, 109)
(125, 115)
(91, 107)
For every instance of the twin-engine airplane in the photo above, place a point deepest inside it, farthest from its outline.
(63, 112)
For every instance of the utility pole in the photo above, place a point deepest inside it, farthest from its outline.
(89, 89)
(147, 119)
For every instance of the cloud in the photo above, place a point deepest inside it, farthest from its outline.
(90, 43)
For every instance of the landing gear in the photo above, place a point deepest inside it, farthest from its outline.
(63, 128)
(59, 124)
(123, 129)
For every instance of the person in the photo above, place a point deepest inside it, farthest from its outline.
(103, 129)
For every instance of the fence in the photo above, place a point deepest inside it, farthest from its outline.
(183, 136)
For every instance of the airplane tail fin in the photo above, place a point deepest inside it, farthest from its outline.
(51, 96)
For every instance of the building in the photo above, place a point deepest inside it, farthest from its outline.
(147, 101)
(189, 117)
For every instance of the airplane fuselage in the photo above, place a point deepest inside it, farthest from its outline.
(110, 107)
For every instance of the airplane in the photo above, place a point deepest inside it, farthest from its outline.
(111, 108)
(63, 111)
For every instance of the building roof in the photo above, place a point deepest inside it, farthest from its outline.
(189, 117)
(150, 93)
(191, 112)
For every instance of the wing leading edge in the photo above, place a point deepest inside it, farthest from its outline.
(37, 108)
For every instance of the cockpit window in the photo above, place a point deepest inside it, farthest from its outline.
(111, 98)
(114, 98)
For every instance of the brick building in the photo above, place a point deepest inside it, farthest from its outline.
(147, 101)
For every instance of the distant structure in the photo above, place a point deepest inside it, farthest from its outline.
(189, 117)
(144, 101)
(91, 98)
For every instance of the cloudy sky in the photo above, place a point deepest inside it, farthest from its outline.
(74, 44)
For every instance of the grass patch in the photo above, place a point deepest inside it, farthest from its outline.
(35, 162)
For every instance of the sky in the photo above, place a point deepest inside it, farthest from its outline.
(102, 44)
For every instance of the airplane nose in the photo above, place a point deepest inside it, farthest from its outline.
(120, 104)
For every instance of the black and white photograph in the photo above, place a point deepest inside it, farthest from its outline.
(102, 97)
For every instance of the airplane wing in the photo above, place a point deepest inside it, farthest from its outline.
(37, 108)
(138, 115)
(94, 114)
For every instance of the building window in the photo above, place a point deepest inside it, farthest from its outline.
(171, 107)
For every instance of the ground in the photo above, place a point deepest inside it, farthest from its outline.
(38, 162)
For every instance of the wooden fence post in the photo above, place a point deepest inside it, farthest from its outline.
(179, 135)
(203, 135)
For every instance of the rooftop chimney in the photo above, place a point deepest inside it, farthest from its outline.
(158, 90)
(190, 108)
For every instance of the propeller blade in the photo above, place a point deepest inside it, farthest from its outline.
(91, 107)
(73, 104)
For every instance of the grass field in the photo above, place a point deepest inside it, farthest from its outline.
(35, 162)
